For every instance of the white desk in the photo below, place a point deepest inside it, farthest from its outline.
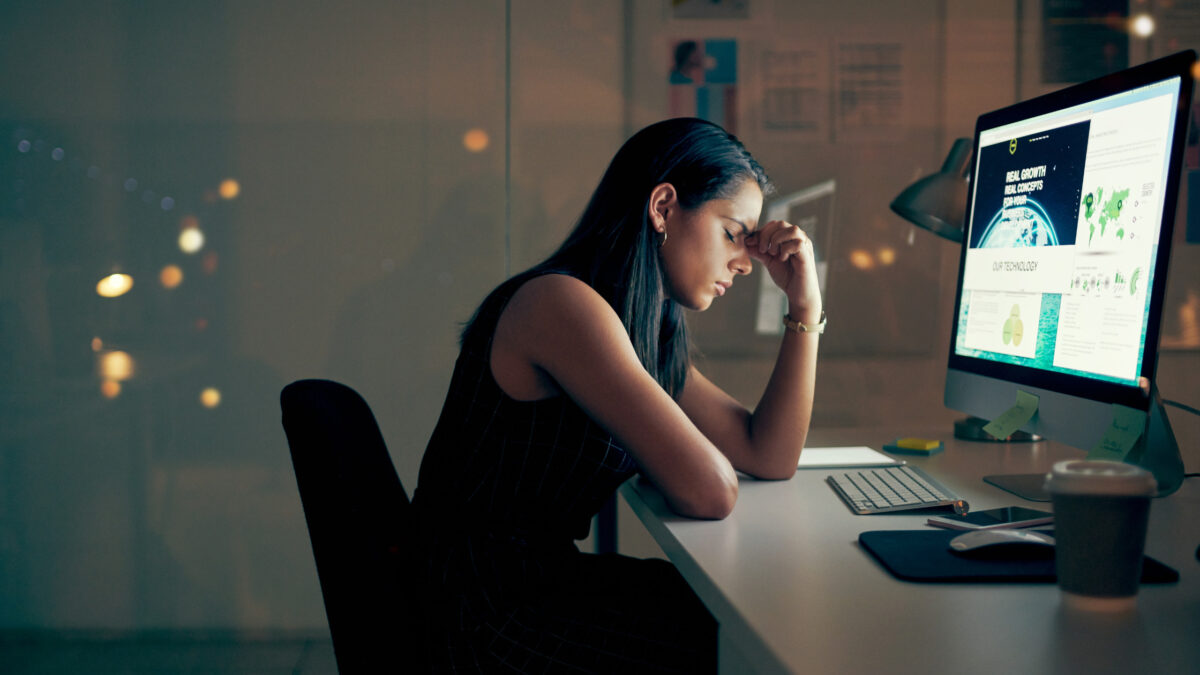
(793, 591)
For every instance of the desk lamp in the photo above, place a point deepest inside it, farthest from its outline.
(938, 203)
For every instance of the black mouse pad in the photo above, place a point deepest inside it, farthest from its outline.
(925, 555)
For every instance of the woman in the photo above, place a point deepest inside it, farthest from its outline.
(573, 376)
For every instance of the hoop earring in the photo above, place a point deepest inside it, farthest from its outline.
(662, 238)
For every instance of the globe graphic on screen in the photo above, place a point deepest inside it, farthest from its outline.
(1020, 227)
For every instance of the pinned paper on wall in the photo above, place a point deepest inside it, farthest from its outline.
(791, 84)
(703, 81)
(1013, 418)
(1122, 434)
(870, 82)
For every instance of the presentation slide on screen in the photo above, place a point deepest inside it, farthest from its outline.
(1103, 311)
(1027, 192)
(1122, 182)
(1070, 210)
(1005, 323)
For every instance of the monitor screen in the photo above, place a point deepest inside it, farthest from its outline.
(1070, 210)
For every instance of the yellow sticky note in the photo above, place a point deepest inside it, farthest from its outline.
(912, 443)
(1012, 419)
(1126, 428)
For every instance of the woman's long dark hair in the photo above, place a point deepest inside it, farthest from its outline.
(614, 248)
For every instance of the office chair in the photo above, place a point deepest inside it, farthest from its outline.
(356, 511)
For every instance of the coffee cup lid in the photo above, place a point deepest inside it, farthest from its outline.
(1100, 477)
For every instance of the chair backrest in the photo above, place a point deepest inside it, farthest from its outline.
(356, 510)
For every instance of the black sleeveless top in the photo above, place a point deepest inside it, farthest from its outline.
(535, 470)
(505, 488)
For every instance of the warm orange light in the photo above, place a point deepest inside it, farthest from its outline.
(114, 285)
(210, 397)
(116, 365)
(209, 262)
(191, 239)
(886, 255)
(97, 344)
(170, 276)
(229, 189)
(188, 221)
(476, 140)
(110, 389)
(861, 259)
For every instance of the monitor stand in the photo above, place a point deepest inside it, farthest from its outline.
(1157, 451)
(970, 428)
(1024, 485)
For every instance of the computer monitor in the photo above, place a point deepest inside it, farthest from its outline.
(1067, 236)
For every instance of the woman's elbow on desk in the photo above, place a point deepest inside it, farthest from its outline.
(780, 466)
(781, 473)
(710, 505)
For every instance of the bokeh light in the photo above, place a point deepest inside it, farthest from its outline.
(114, 285)
(229, 189)
(210, 397)
(97, 344)
(861, 259)
(209, 262)
(171, 276)
(1142, 25)
(110, 389)
(476, 140)
(191, 240)
(116, 365)
(886, 255)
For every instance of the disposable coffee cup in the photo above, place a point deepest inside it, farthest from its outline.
(1101, 510)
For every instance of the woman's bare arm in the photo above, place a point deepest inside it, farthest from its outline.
(767, 443)
(557, 331)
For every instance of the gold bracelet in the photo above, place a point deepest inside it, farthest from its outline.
(795, 325)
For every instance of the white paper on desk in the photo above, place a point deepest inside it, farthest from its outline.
(832, 458)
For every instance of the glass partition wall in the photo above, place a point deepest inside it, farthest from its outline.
(200, 203)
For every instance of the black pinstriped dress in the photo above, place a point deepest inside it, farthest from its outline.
(505, 488)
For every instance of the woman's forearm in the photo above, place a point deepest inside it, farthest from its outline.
(780, 423)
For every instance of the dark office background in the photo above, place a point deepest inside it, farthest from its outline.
(360, 174)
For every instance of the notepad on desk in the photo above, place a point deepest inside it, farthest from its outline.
(848, 456)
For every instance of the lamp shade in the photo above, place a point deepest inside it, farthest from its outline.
(939, 202)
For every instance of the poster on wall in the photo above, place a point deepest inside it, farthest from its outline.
(792, 84)
(869, 85)
(703, 80)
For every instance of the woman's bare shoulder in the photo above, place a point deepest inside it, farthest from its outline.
(555, 286)
(551, 320)
(559, 299)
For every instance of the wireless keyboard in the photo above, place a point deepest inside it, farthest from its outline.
(893, 488)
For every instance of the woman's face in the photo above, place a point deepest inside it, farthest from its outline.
(705, 247)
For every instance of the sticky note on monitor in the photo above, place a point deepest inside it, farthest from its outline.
(1013, 418)
(1122, 434)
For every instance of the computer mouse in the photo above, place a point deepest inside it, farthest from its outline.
(1003, 542)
